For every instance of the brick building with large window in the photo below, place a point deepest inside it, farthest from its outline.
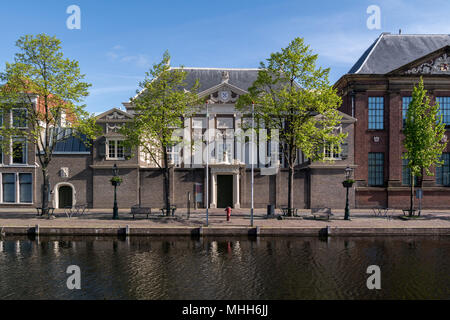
(377, 91)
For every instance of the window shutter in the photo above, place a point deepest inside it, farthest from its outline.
(127, 152)
(102, 147)
(344, 150)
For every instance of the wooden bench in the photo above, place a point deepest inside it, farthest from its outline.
(140, 210)
(321, 213)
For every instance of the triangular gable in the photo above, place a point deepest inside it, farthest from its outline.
(222, 93)
(114, 115)
(434, 63)
(345, 118)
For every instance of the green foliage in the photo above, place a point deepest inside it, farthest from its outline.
(160, 105)
(424, 133)
(40, 70)
(116, 179)
(424, 136)
(294, 96)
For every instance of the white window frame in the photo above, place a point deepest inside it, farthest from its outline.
(331, 146)
(17, 188)
(173, 151)
(26, 118)
(115, 149)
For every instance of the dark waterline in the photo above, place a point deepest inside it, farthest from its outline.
(236, 268)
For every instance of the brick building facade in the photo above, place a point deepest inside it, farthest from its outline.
(377, 91)
(80, 175)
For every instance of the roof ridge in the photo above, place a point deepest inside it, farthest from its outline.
(206, 68)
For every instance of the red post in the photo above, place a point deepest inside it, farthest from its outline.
(228, 210)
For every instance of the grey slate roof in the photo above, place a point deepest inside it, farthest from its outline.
(210, 77)
(71, 142)
(392, 51)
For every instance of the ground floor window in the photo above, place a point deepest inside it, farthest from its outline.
(17, 188)
(376, 169)
(9, 187)
(443, 172)
(25, 188)
(406, 174)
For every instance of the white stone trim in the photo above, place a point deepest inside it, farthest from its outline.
(56, 193)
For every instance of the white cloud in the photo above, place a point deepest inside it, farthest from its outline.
(113, 89)
(117, 54)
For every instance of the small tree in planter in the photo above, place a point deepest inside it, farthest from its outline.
(424, 136)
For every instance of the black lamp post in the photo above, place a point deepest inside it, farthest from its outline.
(347, 184)
(115, 182)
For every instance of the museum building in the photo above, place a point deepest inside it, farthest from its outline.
(375, 92)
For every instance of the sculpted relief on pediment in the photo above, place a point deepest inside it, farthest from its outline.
(439, 65)
(223, 96)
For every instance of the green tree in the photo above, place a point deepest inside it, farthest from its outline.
(294, 96)
(160, 106)
(47, 89)
(424, 136)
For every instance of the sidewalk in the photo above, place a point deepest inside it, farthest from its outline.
(99, 222)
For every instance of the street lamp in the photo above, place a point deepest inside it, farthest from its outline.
(115, 181)
(347, 184)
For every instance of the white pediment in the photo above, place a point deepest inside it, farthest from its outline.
(223, 93)
(114, 115)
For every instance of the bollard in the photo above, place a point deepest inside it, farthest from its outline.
(36, 230)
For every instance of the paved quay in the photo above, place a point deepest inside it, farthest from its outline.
(99, 222)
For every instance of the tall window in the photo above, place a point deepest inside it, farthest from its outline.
(376, 168)
(443, 172)
(115, 149)
(19, 118)
(444, 109)
(9, 187)
(173, 154)
(331, 151)
(224, 139)
(376, 113)
(406, 174)
(19, 147)
(405, 104)
(1, 150)
(25, 188)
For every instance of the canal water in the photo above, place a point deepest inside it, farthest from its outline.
(225, 268)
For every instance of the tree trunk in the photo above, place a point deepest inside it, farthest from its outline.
(290, 190)
(45, 190)
(166, 183)
(411, 196)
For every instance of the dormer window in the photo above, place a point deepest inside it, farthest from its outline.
(116, 150)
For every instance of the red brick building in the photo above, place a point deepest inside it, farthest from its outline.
(376, 91)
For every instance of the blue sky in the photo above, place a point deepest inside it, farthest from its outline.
(120, 40)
